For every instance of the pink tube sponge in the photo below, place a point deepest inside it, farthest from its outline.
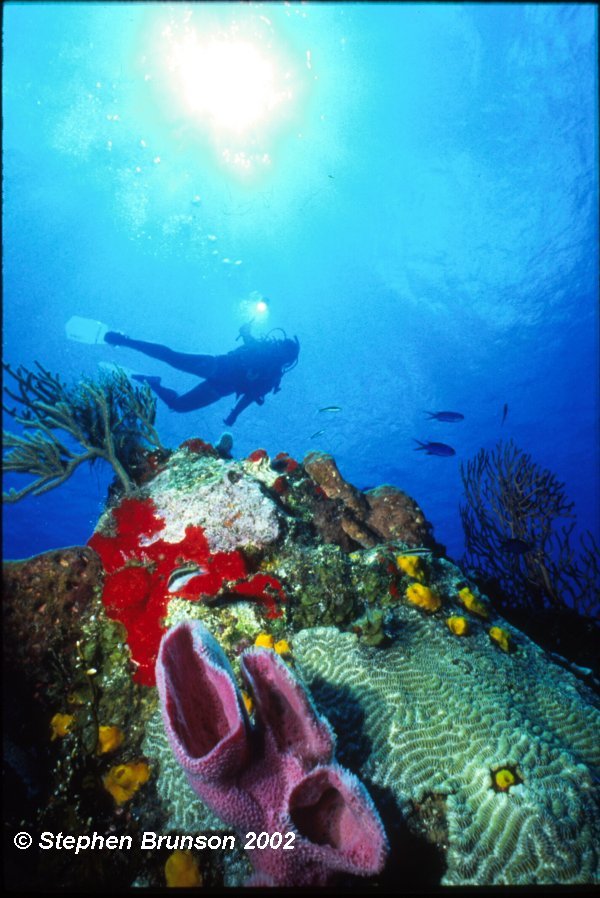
(276, 777)
(206, 720)
(285, 710)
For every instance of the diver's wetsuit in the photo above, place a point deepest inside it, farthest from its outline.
(251, 371)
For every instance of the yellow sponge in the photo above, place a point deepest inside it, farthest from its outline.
(501, 637)
(124, 780)
(412, 566)
(458, 625)
(181, 870)
(472, 603)
(423, 596)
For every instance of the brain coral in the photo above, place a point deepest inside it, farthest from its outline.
(442, 715)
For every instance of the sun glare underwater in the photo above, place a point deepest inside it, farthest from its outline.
(296, 236)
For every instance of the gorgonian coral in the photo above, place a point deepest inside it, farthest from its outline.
(518, 524)
(62, 427)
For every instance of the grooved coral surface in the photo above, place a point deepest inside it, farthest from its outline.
(442, 715)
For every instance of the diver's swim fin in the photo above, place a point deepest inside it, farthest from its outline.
(85, 330)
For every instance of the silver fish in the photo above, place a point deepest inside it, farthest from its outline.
(418, 550)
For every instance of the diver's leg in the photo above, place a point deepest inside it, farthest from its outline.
(167, 396)
(202, 395)
(201, 365)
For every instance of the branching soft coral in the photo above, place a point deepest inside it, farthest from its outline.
(518, 524)
(63, 427)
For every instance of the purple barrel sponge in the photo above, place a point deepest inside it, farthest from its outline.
(277, 776)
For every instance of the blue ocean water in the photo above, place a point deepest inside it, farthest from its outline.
(413, 188)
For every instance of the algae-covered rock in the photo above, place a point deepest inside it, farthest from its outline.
(71, 685)
(322, 585)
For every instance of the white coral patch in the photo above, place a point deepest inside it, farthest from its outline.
(232, 512)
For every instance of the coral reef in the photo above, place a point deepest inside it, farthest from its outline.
(140, 566)
(279, 781)
(108, 419)
(479, 749)
(45, 598)
(201, 490)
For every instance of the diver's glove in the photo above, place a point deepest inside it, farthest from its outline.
(115, 338)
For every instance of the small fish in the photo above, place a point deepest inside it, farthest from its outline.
(181, 576)
(316, 434)
(441, 449)
(504, 412)
(330, 408)
(450, 417)
(515, 546)
(418, 550)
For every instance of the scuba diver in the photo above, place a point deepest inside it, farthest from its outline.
(250, 371)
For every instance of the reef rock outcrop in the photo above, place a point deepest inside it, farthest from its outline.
(375, 516)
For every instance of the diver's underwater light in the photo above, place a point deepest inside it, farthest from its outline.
(255, 308)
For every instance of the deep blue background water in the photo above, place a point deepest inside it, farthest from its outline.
(420, 211)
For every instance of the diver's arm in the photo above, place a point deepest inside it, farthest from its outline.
(246, 336)
(238, 408)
